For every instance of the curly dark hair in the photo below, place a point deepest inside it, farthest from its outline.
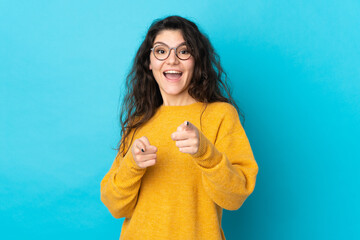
(143, 98)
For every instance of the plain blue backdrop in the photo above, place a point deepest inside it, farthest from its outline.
(294, 67)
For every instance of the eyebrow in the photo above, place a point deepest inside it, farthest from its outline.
(166, 44)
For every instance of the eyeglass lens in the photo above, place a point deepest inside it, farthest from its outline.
(162, 52)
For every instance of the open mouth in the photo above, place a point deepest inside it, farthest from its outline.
(172, 75)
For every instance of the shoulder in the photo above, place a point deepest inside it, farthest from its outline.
(221, 110)
(220, 119)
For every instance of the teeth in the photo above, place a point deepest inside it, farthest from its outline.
(173, 72)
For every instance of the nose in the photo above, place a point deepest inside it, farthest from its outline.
(172, 59)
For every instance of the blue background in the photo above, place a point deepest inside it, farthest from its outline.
(295, 71)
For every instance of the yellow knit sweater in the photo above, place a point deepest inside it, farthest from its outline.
(182, 195)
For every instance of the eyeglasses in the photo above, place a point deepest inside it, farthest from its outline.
(162, 51)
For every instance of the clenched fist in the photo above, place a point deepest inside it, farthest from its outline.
(143, 152)
(187, 138)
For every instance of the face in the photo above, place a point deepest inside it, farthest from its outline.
(173, 75)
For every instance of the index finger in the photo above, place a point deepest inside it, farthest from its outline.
(139, 146)
(184, 126)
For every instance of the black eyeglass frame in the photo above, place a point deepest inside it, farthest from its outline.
(163, 44)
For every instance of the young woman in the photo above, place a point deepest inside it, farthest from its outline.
(183, 155)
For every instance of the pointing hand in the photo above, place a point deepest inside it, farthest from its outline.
(143, 153)
(187, 138)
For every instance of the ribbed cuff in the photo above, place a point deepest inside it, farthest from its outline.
(131, 165)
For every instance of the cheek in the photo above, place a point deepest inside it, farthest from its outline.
(190, 63)
(154, 65)
(191, 67)
(150, 64)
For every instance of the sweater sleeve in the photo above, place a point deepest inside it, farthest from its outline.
(120, 186)
(228, 166)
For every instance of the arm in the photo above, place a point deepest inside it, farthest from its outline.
(227, 163)
(229, 168)
(120, 186)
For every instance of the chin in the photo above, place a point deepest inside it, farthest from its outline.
(174, 92)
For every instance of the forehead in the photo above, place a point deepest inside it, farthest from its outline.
(170, 37)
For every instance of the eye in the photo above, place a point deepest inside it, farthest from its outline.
(161, 50)
(183, 50)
